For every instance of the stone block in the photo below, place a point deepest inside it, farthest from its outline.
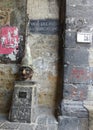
(72, 123)
(77, 57)
(24, 101)
(21, 114)
(52, 127)
(41, 127)
(26, 126)
(78, 16)
(75, 92)
(70, 39)
(9, 126)
(76, 74)
(80, 2)
(73, 109)
(79, 11)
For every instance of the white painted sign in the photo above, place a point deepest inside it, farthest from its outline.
(84, 37)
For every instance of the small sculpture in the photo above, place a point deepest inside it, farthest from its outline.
(26, 69)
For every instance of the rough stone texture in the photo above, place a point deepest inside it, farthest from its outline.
(8, 73)
(23, 102)
(12, 13)
(72, 123)
(70, 40)
(74, 57)
(75, 92)
(45, 121)
(43, 9)
(76, 74)
(9, 126)
(24, 126)
(43, 115)
(73, 109)
(44, 49)
(78, 66)
(44, 62)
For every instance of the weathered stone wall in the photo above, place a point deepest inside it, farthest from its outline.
(12, 13)
(43, 43)
(43, 18)
(78, 66)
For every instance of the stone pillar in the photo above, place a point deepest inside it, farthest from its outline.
(43, 39)
(88, 103)
(78, 65)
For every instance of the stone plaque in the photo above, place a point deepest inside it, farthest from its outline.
(44, 26)
(22, 94)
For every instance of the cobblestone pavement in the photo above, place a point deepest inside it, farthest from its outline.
(6, 125)
(43, 121)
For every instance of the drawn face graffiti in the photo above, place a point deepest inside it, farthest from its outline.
(25, 73)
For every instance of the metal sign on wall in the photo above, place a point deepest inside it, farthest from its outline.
(44, 26)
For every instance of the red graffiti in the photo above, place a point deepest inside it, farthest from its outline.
(79, 73)
(8, 40)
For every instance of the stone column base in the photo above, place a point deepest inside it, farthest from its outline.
(72, 123)
(74, 116)
(89, 106)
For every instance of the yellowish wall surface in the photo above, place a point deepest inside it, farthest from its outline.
(44, 50)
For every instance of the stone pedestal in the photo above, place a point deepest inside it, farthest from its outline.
(88, 104)
(24, 101)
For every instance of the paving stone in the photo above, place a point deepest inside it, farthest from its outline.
(10, 126)
(46, 120)
(26, 127)
(41, 127)
(52, 127)
(2, 122)
(40, 112)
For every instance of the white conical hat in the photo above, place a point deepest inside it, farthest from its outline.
(27, 59)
